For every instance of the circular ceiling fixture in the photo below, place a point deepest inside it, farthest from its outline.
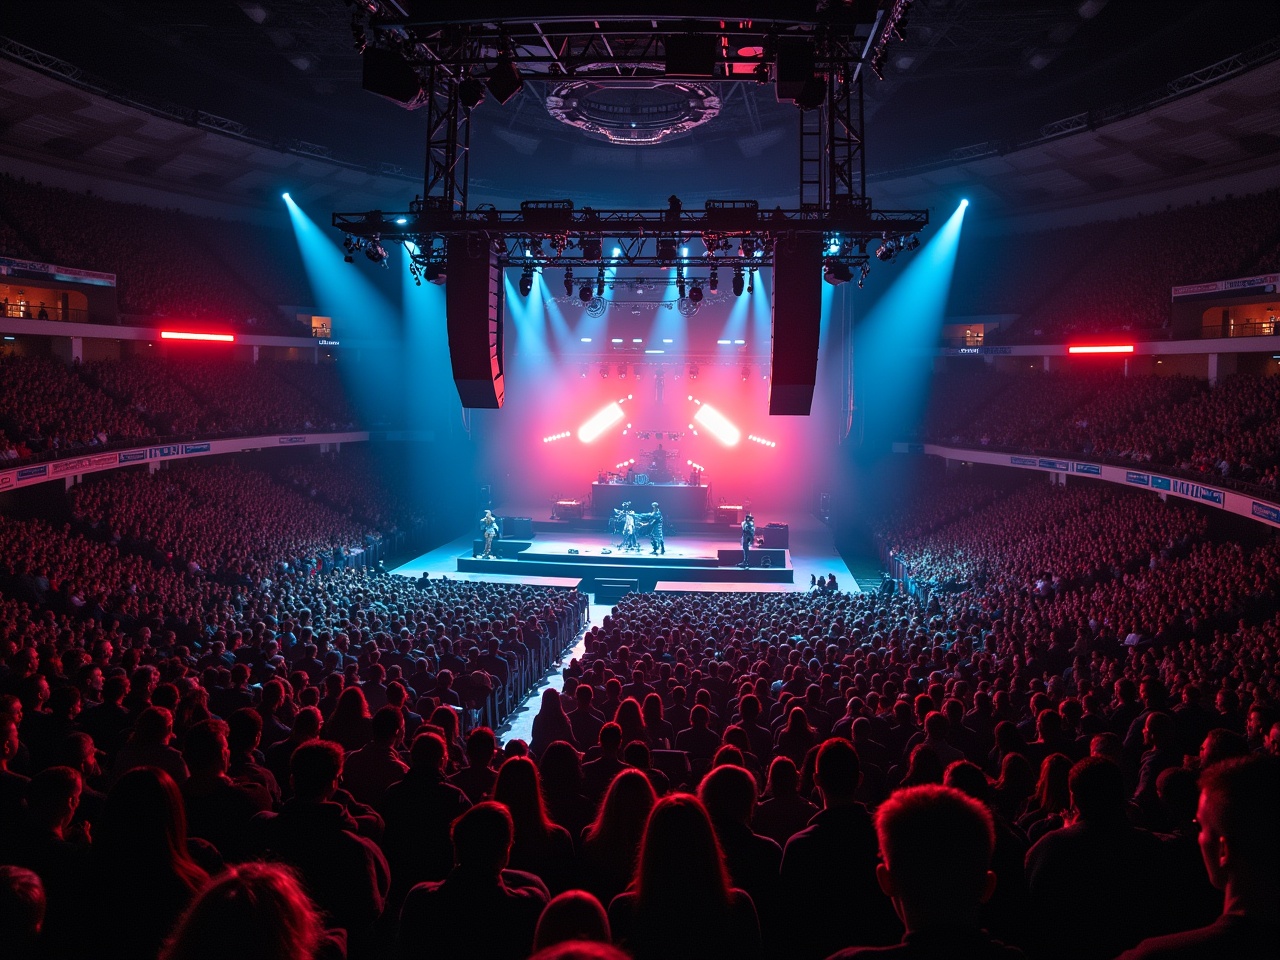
(637, 112)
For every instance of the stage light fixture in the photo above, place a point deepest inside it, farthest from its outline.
(837, 273)
(471, 92)
(718, 425)
(863, 274)
(693, 373)
(584, 293)
(737, 281)
(912, 242)
(622, 371)
(886, 251)
(600, 282)
(526, 282)
(695, 292)
(375, 251)
(435, 273)
(667, 249)
(680, 288)
(751, 280)
(599, 423)
(747, 247)
(592, 248)
(604, 371)
(568, 281)
(505, 81)
(713, 282)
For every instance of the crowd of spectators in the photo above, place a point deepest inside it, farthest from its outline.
(167, 263)
(48, 407)
(252, 752)
(1221, 432)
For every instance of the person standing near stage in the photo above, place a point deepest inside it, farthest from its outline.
(748, 538)
(488, 527)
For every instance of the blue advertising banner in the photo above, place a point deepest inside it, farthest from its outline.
(293, 440)
(28, 473)
(132, 456)
(1063, 465)
(1089, 468)
(1024, 461)
(1187, 489)
(1161, 483)
(195, 448)
(169, 450)
(1266, 511)
(1142, 478)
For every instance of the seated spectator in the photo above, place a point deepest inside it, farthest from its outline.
(148, 746)
(22, 908)
(611, 843)
(550, 723)
(540, 846)
(345, 873)
(418, 811)
(350, 726)
(141, 855)
(680, 904)
(753, 861)
(1240, 843)
(1092, 868)
(561, 773)
(480, 909)
(597, 774)
(784, 812)
(574, 915)
(219, 809)
(369, 771)
(831, 864)
(936, 844)
(255, 911)
(476, 779)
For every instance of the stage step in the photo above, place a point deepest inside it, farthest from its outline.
(623, 568)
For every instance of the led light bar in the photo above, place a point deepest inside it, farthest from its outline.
(1116, 348)
(599, 423)
(718, 424)
(179, 335)
(555, 436)
(762, 441)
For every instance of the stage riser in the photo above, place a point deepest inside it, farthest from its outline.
(601, 525)
(648, 576)
(503, 548)
(617, 558)
(776, 558)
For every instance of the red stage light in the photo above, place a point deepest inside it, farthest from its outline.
(1114, 348)
(215, 337)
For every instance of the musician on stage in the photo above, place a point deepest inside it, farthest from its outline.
(748, 538)
(629, 541)
(654, 519)
(489, 528)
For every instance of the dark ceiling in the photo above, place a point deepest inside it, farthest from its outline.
(968, 71)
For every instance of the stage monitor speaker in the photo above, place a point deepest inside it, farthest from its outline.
(797, 323)
(518, 528)
(473, 315)
(389, 75)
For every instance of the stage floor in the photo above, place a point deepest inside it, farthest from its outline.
(812, 551)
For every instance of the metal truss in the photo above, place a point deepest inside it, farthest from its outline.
(554, 232)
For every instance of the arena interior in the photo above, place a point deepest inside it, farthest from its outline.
(783, 479)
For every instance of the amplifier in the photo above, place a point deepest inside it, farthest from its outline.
(517, 528)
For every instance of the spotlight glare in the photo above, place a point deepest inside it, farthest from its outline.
(600, 422)
(718, 424)
(285, 196)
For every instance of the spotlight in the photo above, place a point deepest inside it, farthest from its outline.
(837, 273)
(680, 288)
(695, 294)
(863, 274)
(470, 93)
(737, 281)
(912, 242)
(592, 248)
(584, 293)
(713, 283)
(751, 281)
(622, 371)
(667, 249)
(886, 251)
(604, 371)
(285, 196)
(434, 272)
(693, 371)
(526, 282)
(747, 247)
(505, 80)
(600, 282)
(568, 281)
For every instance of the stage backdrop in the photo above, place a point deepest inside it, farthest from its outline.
(564, 366)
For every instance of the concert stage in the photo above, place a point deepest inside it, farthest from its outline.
(702, 558)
